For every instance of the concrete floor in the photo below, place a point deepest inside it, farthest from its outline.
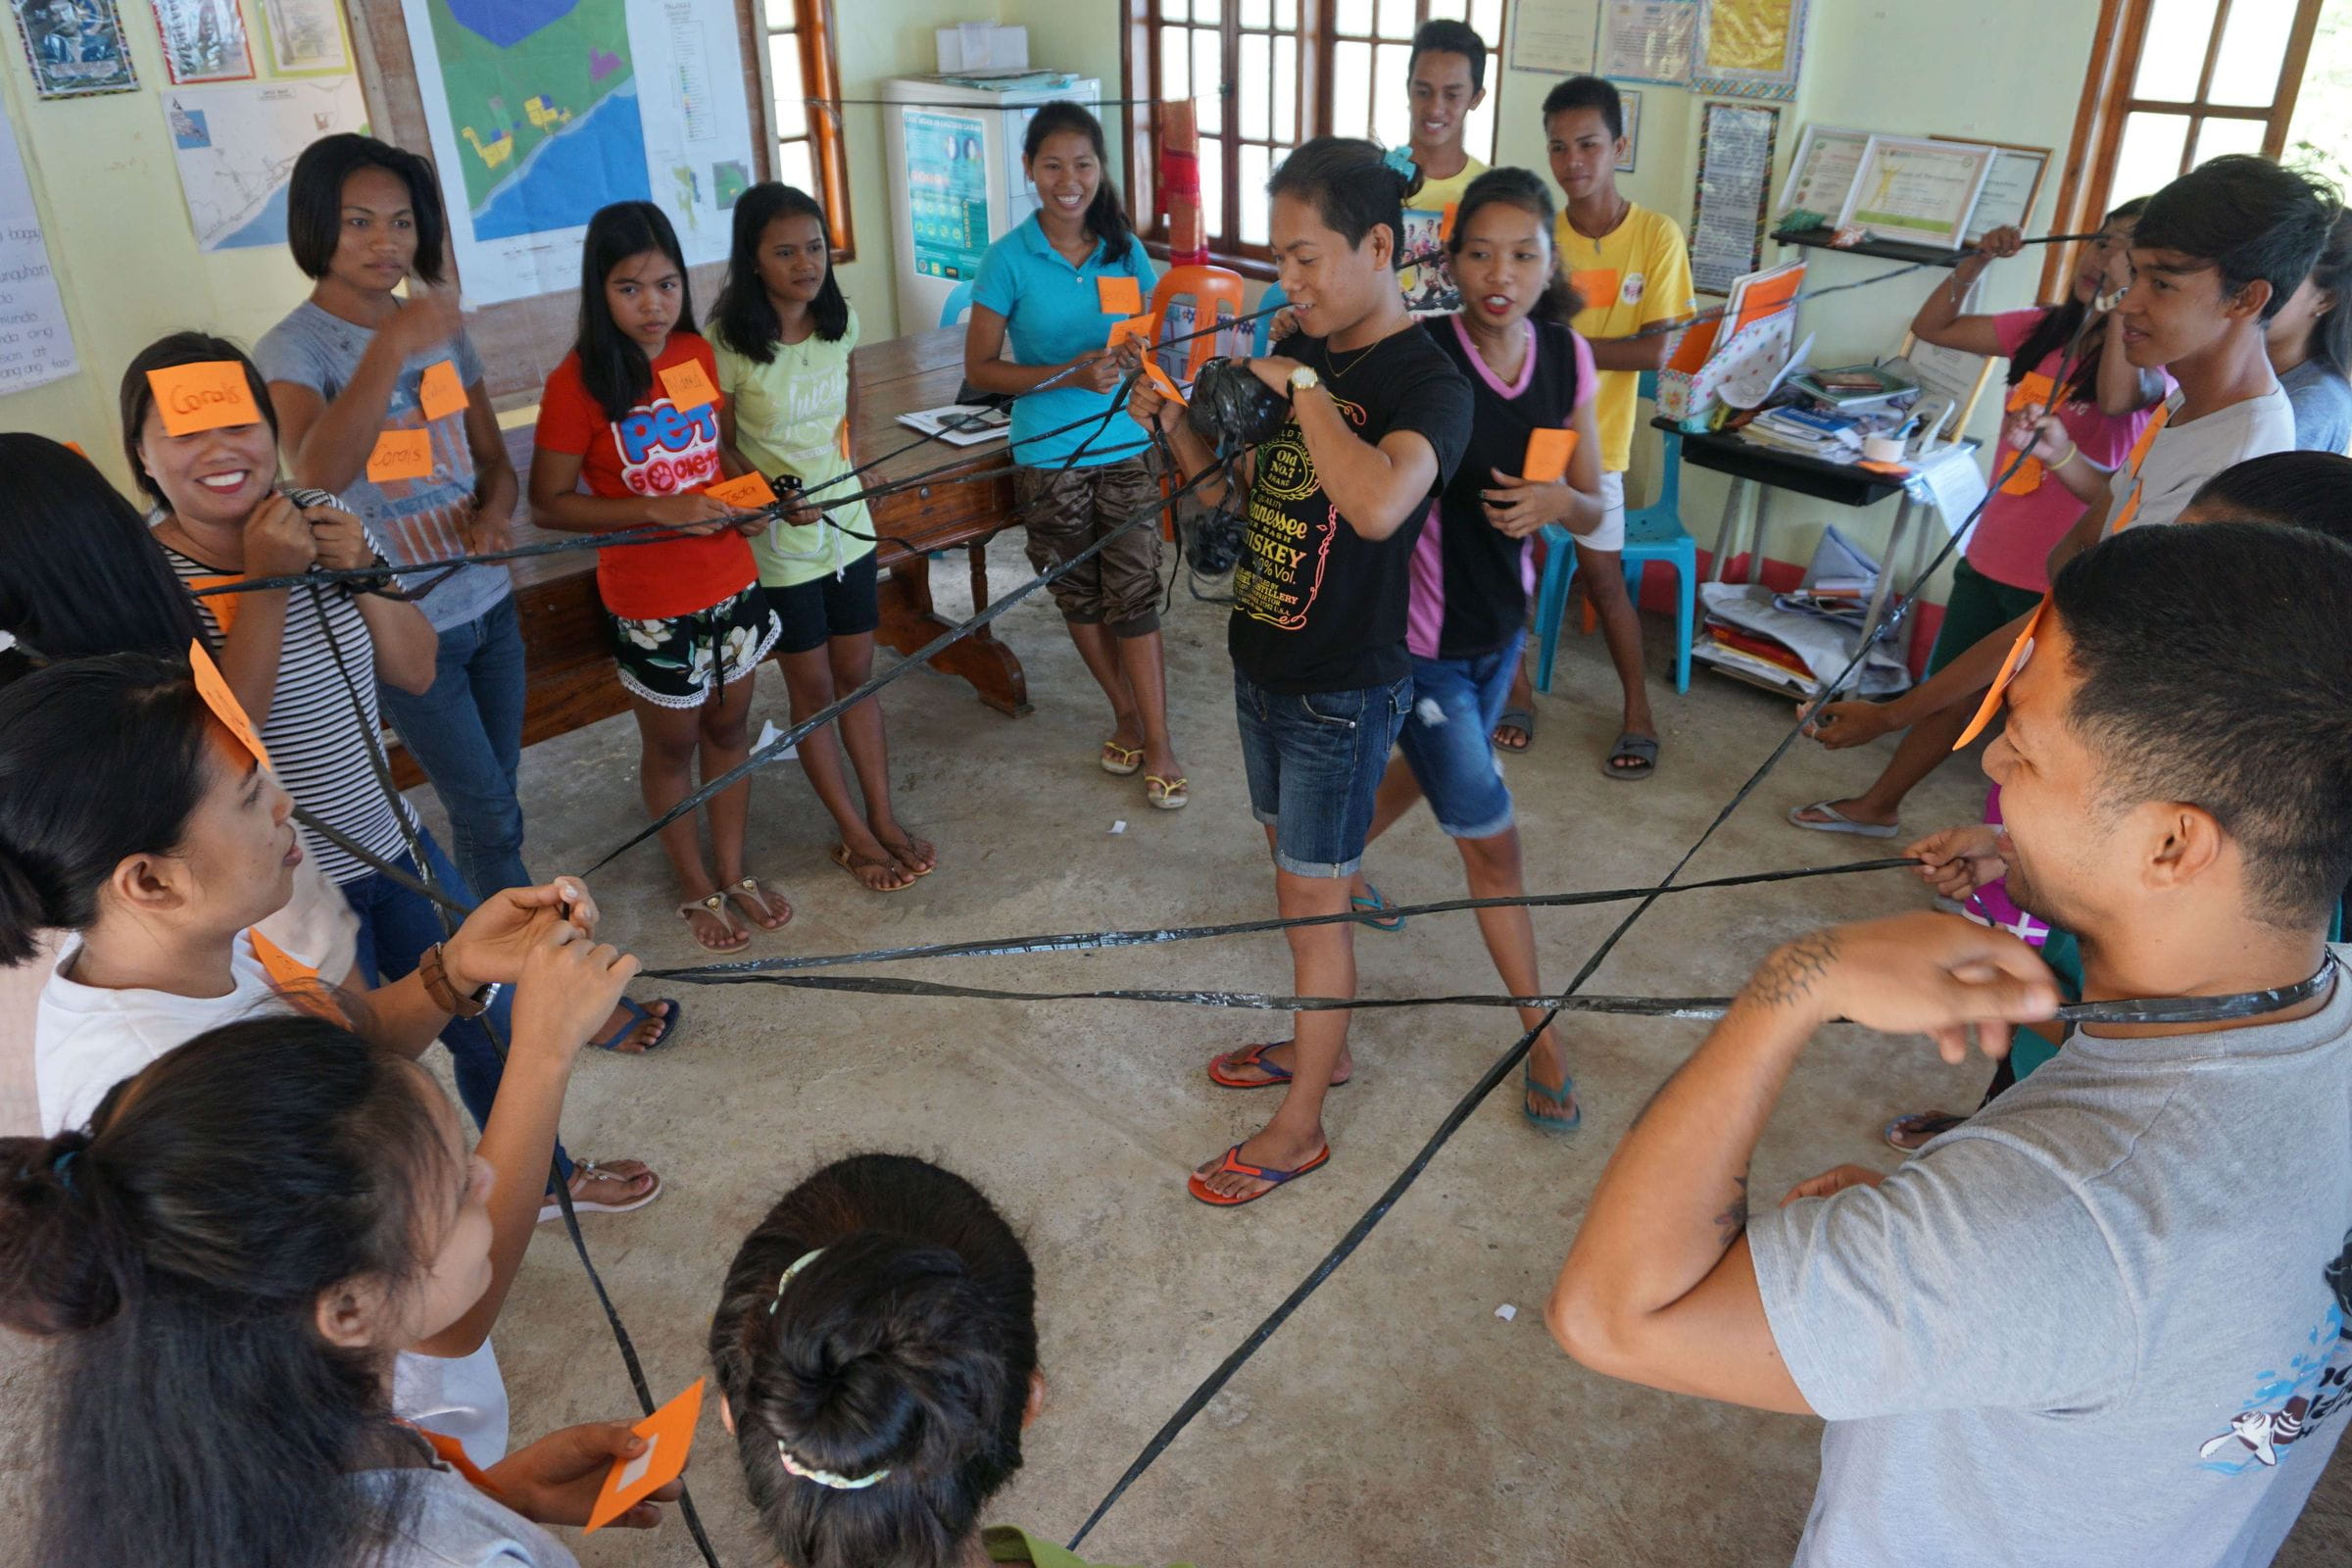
(1394, 1419)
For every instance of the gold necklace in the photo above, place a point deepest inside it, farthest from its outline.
(1337, 369)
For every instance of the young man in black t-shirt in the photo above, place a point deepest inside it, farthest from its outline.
(1321, 679)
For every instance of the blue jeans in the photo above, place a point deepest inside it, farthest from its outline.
(1448, 739)
(467, 733)
(396, 926)
(1314, 761)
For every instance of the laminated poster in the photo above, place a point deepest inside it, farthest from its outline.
(203, 40)
(1559, 39)
(1749, 48)
(75, 47)
(1649, 40)
(1734, 185)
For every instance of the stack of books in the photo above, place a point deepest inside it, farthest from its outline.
(1829, 437)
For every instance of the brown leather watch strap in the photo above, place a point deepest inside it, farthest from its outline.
(436, 971)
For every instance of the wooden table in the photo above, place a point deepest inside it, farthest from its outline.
(572, 679)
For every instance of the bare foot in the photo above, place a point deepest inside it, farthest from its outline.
(1269, 1151)
(1853, 810)
(768, 910)
(641, 1032)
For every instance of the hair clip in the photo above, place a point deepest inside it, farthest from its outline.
(1399, 162)
(784, 1279)
(792, 1466)
(62, 1167)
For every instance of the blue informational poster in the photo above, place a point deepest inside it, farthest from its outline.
(946, 192)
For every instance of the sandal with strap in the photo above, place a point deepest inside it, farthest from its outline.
(1642, 751)
(1565, 1094)
(1121, 760)
(584, 1171)
(1221, 1069)
(1234, 1165)
(641, 1014)
(1373, 905)
(856, 864)
(753, 898)
(1915, 1132)
(716, 906)
(1168, 794)
(1520, 719)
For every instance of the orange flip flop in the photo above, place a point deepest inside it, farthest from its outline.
(1236, 1165)
(1221, 1068)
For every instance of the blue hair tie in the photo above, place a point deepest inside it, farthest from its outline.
(1399, 162)
(61, 1168)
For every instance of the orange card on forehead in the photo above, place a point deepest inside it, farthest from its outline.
(190, 398)
(401, 454)
(1549, 449)
(2019, 652)
(747, 491)
(1119, 293)
(441, 393)
(213, 689)
(688, 386)
(668, 1435)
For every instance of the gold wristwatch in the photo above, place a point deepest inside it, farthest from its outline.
(1304, 379)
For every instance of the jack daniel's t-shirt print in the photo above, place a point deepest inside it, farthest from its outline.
(1316, 606)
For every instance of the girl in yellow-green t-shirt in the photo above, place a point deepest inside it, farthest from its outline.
(783, 334)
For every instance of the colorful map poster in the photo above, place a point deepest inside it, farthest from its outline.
(236, 146)
(35, 343)
(543, 111)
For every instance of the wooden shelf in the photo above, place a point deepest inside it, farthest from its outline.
(1887, 249)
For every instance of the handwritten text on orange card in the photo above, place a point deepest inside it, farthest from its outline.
(441, 394)
(401, 454)
(1159, 380)
(215, 690)
(748, 491)
(688, 386)
(1143, 327)
(1120, 294)
(210, 396)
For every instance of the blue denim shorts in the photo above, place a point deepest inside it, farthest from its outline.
(1314, 762)
(1448, 739)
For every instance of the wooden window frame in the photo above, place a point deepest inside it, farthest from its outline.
(2108, 102)
(1139, 37)
(812, 30)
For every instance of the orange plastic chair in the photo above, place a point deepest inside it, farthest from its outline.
(1209, 287)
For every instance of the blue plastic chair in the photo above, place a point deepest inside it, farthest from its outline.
(960, 301)
(1267, 302)
(1653, 533)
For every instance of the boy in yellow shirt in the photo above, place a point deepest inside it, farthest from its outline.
(1630, 267)
(1447, 82)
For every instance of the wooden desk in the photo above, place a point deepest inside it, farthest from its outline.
(571, 677)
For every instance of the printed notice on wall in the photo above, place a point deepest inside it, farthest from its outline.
(35, 344)
(1735, 177)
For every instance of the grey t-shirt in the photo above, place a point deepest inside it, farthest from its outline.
(451, 1525)
(416, 518)
(2103, 1323)
(2323, 402)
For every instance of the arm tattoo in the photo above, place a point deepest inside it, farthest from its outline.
(1734, 1218)
(1792, 971)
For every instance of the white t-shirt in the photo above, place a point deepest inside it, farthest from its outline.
(86, 1041)
(2182, 457)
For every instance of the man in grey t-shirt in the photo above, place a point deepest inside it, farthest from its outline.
(2105, 1321)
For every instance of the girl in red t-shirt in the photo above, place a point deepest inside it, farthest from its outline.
(633, 411)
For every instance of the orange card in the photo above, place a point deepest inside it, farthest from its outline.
(1159, 380)
(668, 1435)
(1548, 449)
(213, 689)
(1120, 294)
(1146, 328)
(401, 454)
(190, 398)
(1595, 287)
(1445, 223)
(748, 492)
(75, 446)
(223, 605)
(688, 387)
(2019, 652)
(441, 393)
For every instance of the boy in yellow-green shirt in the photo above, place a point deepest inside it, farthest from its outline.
(1447, 72)
(1629, 266)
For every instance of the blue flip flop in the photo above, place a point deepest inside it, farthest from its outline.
(1565, 1095)
(1378, 901)
(638, 1013)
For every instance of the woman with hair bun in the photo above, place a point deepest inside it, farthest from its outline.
(875, 1349)
(228, 1278)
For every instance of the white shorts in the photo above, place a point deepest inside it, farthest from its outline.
(1610, 535)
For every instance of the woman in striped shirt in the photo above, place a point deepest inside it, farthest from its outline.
(301, 661)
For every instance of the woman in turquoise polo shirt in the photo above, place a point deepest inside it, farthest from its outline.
(1052, 288)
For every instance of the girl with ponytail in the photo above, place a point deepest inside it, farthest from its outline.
(875, 1347)
(227, 1277)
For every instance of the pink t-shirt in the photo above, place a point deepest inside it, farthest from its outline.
(2023, 520)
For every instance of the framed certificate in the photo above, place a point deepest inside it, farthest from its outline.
(2010, 190)
(1917, 190)
(1823, 171)
(1630, 99)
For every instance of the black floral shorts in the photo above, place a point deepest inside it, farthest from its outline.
(680, 662)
